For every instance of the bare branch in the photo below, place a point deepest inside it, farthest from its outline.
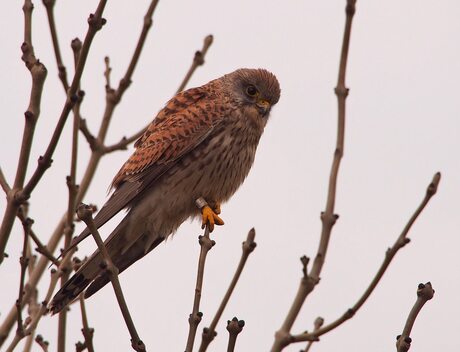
(425, 292)
(88, 135)
(4, 183)
(85, 213)
(91, 167)
(210, 332)
(195, 317)
(38, 72)
(42, 249)
(76, 46)
(43, 309)
(33, 308)
(107, 72)
(95, 22)
(234, 327)
(198, 60)
(113, 98)
(126, 80)
(401, 241)
(88, 332)
(121, 145)
(317, 324)
(328, 217)
(22, 216)
(62, 72)
(22, 194)
(71, 206)
(42, 343)
(24, 261)
(34, 278)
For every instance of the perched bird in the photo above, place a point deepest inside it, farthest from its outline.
(200, 146)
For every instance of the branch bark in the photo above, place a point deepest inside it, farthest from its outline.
(85, 213)
(195, 317)
(198, 60)
(21, 194)
(87, 332)
(62, 72)
(234, 327)
(425, 292)
(401, 241)
(72, 191)
(34, 278)
(328, 217)
(209, 333)
(43, 309)
(91, 167)
(317, 325)
(38, 72)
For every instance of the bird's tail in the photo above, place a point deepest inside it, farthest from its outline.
(77, 283)
(123, 252)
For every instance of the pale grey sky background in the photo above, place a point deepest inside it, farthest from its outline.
(402, 126)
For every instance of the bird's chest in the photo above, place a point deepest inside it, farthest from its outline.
(216, 168)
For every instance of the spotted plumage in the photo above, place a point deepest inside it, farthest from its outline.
(201, 144)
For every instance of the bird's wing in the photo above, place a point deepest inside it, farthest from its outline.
(185, 121)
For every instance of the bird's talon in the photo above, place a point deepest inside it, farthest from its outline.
(209, 217)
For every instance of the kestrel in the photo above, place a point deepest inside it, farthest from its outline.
(198, 150)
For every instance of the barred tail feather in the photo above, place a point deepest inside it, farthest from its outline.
(75, 285)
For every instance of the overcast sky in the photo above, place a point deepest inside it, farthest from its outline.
(402, 126)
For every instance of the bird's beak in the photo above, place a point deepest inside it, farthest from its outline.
(263, 106)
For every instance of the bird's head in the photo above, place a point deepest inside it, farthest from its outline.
(256, 88)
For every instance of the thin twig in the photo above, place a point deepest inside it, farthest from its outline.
(33, 308)
(234, 327)
(4, 183)
(210, 332)
(328, 217)
(91, 167)
(42, 249)
(38, 72)
(114, 96)
(84, 212)
(73, 191)
(107, 72)
(95, 23)
(24, 261)
(31, 285)
(62, 72)
(401, 241)
(316, 325)
(425, 292)
(88, 135)
(112, 99)
(42, 343)
(126, 80)
(43, 309)
(195, 317)
(87, 332)
(44, 162)
(198, 60)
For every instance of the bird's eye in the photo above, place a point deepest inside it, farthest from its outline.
(251, 91)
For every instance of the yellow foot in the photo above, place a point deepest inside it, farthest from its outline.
(209, 216)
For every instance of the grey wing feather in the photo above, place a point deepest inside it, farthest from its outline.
(120, 199)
